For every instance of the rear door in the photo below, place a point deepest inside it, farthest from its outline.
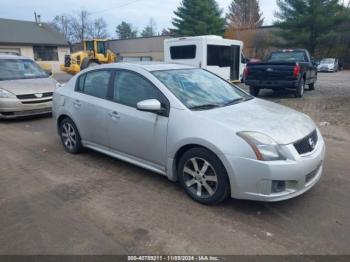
(139, 135)
(90, 106)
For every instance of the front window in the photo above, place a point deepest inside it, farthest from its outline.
(219, 55)
(199, 89)
(327, 61)
(130, 88)
(287, 56)
(11, 69)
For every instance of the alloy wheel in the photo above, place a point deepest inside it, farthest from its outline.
(69, 136)
(200, 177)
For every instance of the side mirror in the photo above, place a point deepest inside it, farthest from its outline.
(151, 105)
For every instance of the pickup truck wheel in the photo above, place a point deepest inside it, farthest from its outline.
(254, 91)
(299, 92)
(312, 86)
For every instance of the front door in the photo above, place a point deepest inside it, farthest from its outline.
(139, 135)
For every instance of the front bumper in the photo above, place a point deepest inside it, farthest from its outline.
(13, 107)
(252, 179)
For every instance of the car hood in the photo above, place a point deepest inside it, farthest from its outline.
(29, 86)
(281, 123)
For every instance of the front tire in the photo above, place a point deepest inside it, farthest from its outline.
(70, 136)
(254, 91)
(203, 176)
(312, 86)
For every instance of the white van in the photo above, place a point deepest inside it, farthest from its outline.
(221, 56)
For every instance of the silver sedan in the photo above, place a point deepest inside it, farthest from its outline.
(193, 127)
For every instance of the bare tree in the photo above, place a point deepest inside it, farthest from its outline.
(82, 26)
(99, 28)
(63, 24)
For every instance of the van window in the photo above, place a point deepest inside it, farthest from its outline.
(219, 55)
(183, 52)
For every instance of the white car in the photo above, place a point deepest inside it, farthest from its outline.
(193, 127)
(328, 65)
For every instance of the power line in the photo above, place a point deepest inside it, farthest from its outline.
(120, 6)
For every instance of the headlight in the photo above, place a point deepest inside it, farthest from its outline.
(264, 147)
(6, 94)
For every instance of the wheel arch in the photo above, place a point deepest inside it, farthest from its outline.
(181, 150)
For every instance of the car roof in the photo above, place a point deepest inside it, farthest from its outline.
(148, 66)
(8, 56)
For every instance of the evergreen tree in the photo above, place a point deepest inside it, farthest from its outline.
(198, 17)
(150, 30)
(125, 31)
(309, 23)
(245, 14)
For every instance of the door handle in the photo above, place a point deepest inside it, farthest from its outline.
(77, 103)
(114, 115)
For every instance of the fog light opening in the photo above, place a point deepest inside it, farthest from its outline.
(278, 186)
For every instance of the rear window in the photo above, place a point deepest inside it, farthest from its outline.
(183, 52)
(288, 56)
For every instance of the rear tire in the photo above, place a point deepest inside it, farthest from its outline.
(203, 176)
(254, 91)
(299, 92)
(70, 136)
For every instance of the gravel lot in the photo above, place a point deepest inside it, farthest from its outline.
(55, 203)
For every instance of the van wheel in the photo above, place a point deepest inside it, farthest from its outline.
(299, 92)
(203, 176)
(254, 91)
(70, 136)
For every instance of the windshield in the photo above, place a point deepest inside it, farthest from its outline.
(200, 89)
(290, 56)
(11, 69)
(327, 61)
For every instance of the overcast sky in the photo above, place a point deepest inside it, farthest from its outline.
(137, 12)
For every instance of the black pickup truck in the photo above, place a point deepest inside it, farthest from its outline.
(284, 69)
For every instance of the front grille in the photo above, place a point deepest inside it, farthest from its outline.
(307, 144)
(36, 101)
(32, 96)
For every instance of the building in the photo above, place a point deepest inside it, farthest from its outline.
(139, 49)
(34, 40)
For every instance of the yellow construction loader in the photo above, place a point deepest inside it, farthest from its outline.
(95, 52)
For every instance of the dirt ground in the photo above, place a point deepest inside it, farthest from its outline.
(55, 203)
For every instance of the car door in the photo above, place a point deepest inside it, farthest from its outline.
(140, 135)
(90, 106)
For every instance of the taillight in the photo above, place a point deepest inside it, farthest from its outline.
(246, 72)
(296, 71)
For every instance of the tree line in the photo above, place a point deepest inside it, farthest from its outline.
(311, 24)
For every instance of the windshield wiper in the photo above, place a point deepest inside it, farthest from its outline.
(205, 107)
(234, 101)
